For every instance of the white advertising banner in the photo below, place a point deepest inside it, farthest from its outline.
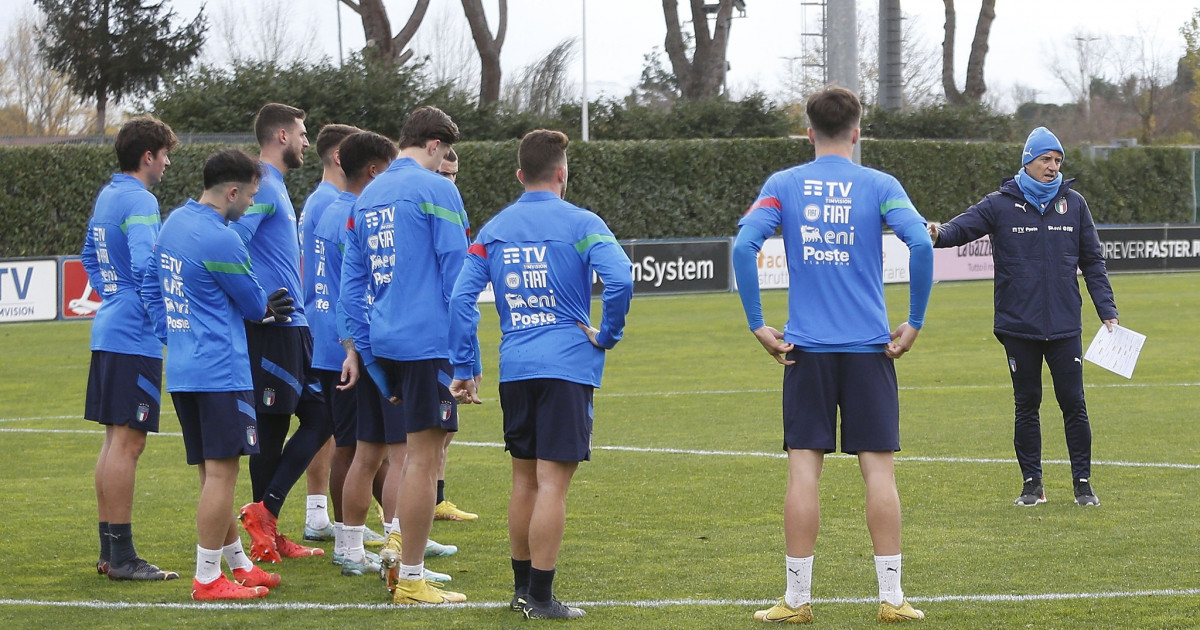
(28, 290)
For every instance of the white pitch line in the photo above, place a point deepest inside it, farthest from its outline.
(708, 453)
(607, 603)
(914, 388)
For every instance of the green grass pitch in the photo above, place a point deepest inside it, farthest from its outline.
(676, 522)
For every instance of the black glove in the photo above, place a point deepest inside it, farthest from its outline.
(279, 306)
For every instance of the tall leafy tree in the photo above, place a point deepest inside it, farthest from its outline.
(116, 48)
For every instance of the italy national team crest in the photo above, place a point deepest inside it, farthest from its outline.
(1060, 206)
(143, 412)
(447, 406)
(252, 435)
(268, 397)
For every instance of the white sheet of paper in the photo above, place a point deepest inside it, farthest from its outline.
(1116, 351)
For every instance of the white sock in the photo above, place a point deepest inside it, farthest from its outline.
(887, 569)
(354, 542)
(208, 565)
(235, 556)
(413, 572)
(317, 516)
(799, 581)
(339, 539)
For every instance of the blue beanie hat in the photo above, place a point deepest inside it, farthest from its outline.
(1039, 142)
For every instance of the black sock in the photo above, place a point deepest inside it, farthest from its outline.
(105, 543)
(521, 575)
(541, 584)
(441, 495)
(120, 536)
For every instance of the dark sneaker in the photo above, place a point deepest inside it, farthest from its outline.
(518, 601)
(138, 569)
(1032, 493)
(1084, 494)
(102, 566)
(552, 609)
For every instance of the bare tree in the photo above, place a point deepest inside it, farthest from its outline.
(488, 47)
(447, 51)
(39, 100)
(545, 85)
(378, 28)
(703, 75)
(975, 86)
(276, 39)
(1144, 77)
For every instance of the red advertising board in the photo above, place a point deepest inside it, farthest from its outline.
(77, 299)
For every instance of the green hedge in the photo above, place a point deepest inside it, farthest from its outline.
(643, 189)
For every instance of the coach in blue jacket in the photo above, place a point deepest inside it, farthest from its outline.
(1041, 232)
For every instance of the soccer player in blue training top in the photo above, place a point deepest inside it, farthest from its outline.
(407, 247)
(363, 155)
(281, 354)
(1036, 252)
(836, 344)
(124, 382)
(333, 181)
(445, 509)
(198, 292)
(539, 254)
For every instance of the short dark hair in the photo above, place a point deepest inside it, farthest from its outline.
(364, 147)
(832, 111)
(427, 123)
(330, 137)
(230, 166)
(451, 156)
(541, 152)
(273, 117)
(139, 135)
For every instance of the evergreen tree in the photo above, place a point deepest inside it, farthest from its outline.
(116, 48)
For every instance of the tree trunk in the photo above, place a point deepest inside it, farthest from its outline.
(953, 96)
(101, 113)
(488, 47)
(975, 86)
(378, 28)
(704, 75)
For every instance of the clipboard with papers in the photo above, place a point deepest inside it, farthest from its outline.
(1116, 351)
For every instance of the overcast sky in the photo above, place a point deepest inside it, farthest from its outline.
(1024, 38)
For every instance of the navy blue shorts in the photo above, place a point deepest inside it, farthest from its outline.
(547, 418)
(342, 405)
(379, 421)
(216, 425)
(862, 385)
(124, 390)
(424, 388)
(281, 364)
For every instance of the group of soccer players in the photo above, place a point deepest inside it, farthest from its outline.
(375, 343)
(348, 317)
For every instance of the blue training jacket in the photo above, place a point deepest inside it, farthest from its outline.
(1036, 256)
(405, 249)
(539, 254)
(117, 251)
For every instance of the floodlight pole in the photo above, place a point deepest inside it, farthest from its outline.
(584, 113)
(338, 5)
(841, 46)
